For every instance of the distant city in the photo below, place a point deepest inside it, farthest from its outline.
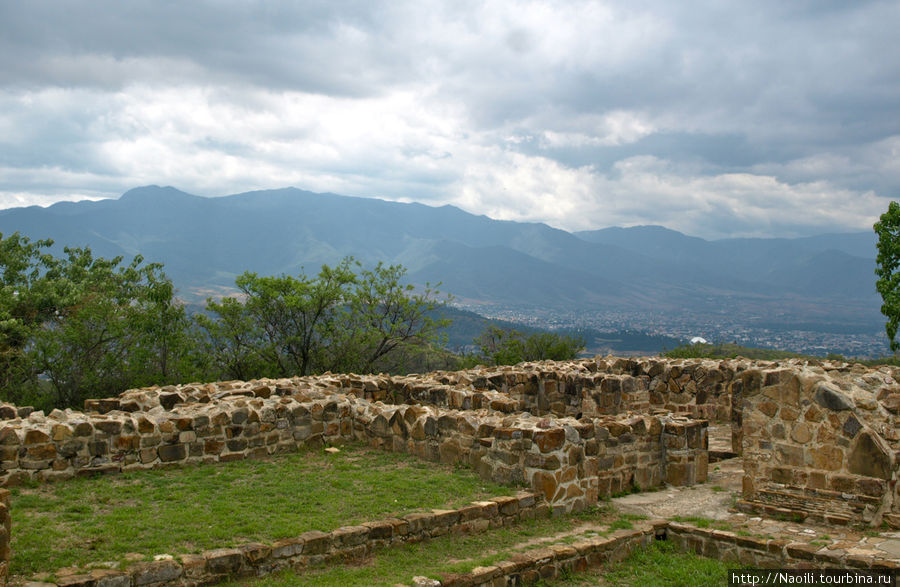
(862, 342)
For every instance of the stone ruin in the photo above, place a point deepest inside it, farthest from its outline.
(818, 440)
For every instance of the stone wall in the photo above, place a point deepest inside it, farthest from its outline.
(315, 548)
(758, 552)
(530, 567)
(821, 442)
(572, 462)
(559, 561)
(581, 388)
(821, 436)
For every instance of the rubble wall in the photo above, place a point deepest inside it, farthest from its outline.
(315, 548)
(570, 462)
(821, 443)
(818, 439)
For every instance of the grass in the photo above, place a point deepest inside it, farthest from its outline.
(660, 565)
(702, 522)
(449, 555)
(211, 506)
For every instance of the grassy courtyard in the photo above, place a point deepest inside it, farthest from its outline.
(135, 516)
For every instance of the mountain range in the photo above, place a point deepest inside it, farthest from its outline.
(205, 243)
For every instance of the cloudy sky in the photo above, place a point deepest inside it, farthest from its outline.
(763, 118)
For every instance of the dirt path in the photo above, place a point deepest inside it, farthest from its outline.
(708, 500)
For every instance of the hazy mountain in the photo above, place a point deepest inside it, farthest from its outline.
(205, 242)
(833, 265)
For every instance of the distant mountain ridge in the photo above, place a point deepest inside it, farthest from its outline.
(206, 242)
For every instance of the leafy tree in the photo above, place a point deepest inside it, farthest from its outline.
(231, 339)
(339, 320)
(114, 327)
(27, 299)
(79, 326)
(381, 317)
(888, 269)
(499, 346)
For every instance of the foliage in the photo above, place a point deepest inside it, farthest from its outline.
(26, 301)
(888, 269)
(498, 346)
(79, 326)
(340, 320)
(728, 351)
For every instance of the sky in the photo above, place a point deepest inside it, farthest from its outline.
(718, 119)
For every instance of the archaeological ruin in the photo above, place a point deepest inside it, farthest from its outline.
(818, 441)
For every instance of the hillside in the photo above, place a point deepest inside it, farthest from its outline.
(205, 242)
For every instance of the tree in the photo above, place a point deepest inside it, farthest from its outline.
(382, 316)
(339, 320)
(27, 299)
(887, 265)
(498, 346)
(231, 341)
(80, 326)
(114, 327)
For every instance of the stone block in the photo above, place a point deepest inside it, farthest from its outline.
(380, 530)
(869, 458)
(155, 572)
(172, 452)
(111, 427)
(224, 561)
(315, 542)
(36, 437)
(287, 547)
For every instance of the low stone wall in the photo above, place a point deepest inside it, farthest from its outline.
(315, 548)
(581, 388)
(741, 551)
(572, 462)
(756, 552)
(555, 561)
(559, 560)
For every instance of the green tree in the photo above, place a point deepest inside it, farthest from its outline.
(339, 320)
(383, 316)
(887, 265)
(498, 346)
(232, 341)
(82, 326)
(27, 299)
(115, 326)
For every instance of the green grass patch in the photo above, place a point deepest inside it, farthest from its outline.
(444, 555)
(211, 506)
(659, 565)
(702, 522)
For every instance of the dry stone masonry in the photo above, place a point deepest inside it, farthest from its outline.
(818, 440)
(514, 426)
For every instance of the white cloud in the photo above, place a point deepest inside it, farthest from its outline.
(748, 119)
(22, 199)
(646, 190)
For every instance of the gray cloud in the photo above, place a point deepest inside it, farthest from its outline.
(709, 118)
